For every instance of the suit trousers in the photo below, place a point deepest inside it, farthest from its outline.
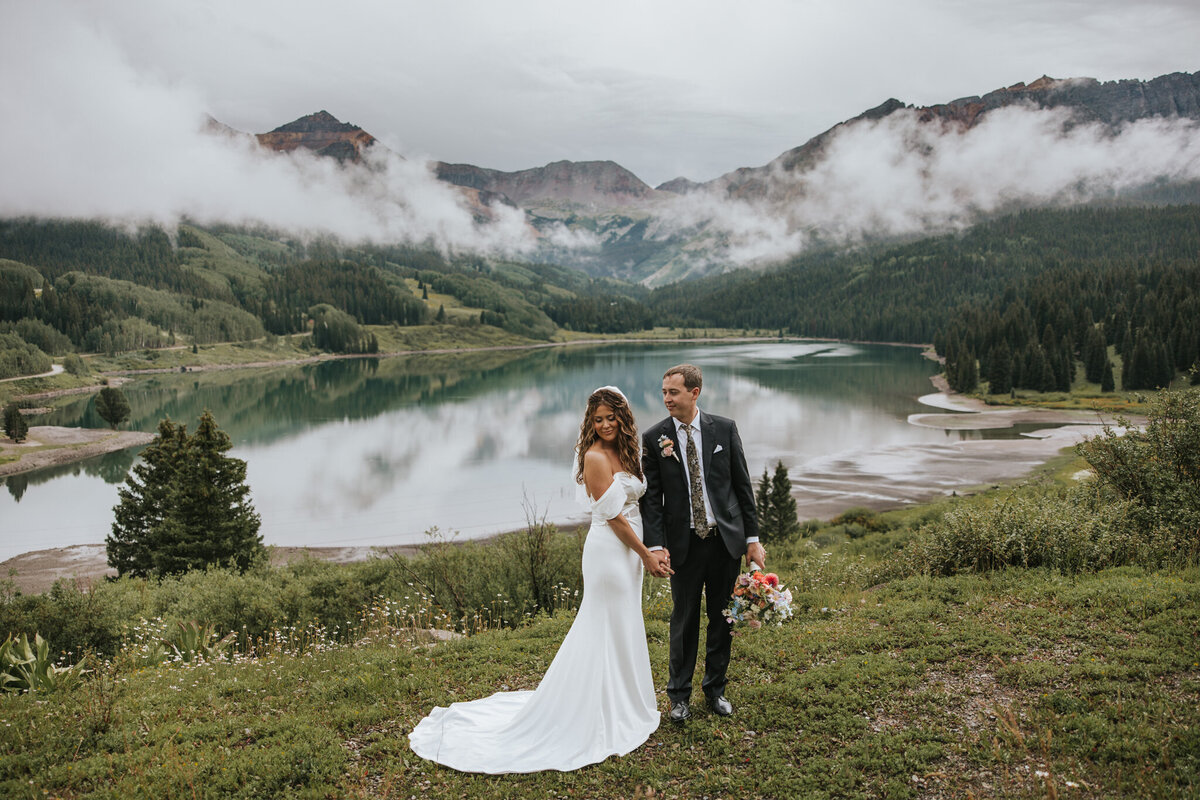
(711, 571)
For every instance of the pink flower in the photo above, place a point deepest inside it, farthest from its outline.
(771, 578)
(666, 446)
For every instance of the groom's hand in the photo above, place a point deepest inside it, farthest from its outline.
(663, 566)
(756, 554)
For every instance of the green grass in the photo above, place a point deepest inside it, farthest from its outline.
(922, 687)
(10, 390)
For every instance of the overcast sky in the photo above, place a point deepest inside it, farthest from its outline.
(693, 88)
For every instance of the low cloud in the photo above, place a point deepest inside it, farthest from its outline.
(899, 176)
(88, 135)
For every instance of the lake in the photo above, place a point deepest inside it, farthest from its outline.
(377, 452)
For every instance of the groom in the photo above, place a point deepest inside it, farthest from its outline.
(699, 506)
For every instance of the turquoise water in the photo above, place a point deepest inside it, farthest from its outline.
(376, 452)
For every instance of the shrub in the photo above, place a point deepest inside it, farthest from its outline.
(74, 365)
(1157, 470)
(468, 586)
(1064, 530)
(864, 518)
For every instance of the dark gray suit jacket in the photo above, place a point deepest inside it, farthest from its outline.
(666, 507)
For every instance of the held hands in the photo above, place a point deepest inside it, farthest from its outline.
(756, 555)
(658, 563)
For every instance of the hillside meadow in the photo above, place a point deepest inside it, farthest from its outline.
(1037, 640)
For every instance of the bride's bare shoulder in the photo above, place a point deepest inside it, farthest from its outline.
(594, 458)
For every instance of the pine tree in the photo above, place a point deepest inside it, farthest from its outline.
(762, 495)
(15, 426)
(211, 520)
(185, 506)
(441, 314)
(999, 374)
(778, 519)
(1107, 384)
(1138, 372)
(966, 373)
(1164, 366)
(1095, 354)
(144, 502)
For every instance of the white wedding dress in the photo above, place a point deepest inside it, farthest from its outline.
(596, 699)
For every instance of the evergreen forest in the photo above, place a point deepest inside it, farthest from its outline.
(1029, 301)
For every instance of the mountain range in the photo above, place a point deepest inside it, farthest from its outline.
(637, 229)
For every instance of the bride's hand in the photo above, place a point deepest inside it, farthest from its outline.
(658, 564)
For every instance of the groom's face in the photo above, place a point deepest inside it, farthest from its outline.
(679, 400)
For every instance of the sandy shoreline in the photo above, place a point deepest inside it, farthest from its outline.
(87, 563)
(52, 445)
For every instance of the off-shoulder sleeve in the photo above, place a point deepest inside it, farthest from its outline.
(611, 502)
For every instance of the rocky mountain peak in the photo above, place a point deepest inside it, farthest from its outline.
(320, 122)
(322, 133)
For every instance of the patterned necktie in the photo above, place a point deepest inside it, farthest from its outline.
(699, 518)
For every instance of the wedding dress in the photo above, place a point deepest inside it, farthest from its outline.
(596, 699)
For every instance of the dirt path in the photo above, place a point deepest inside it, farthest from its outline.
(55, 369)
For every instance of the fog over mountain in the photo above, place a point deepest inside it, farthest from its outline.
(907, 173)
(95, 137)
(99, 136)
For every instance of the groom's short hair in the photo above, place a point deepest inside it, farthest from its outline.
(692, 377)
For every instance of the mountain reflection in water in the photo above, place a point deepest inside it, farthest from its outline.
(377, 451)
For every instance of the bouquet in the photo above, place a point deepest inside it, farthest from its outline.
(758, 599)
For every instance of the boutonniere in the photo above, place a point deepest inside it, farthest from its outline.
(666, 447)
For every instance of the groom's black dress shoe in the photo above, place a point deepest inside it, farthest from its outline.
(720, 706)
(679, 711)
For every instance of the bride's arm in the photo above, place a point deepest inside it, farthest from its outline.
(598, 477)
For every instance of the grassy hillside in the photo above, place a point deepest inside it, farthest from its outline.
(1023, 683)
(1031, 641)
(1024, 299)
(86, 287)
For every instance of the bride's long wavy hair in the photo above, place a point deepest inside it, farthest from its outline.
(627, 437)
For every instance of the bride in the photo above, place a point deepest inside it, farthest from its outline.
(597, 697)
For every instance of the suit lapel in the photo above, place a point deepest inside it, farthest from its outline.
(680, 453)
(708, 434)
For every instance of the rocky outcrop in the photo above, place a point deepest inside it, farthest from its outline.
(322, 133)
(1111, 103)
(603, 184)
